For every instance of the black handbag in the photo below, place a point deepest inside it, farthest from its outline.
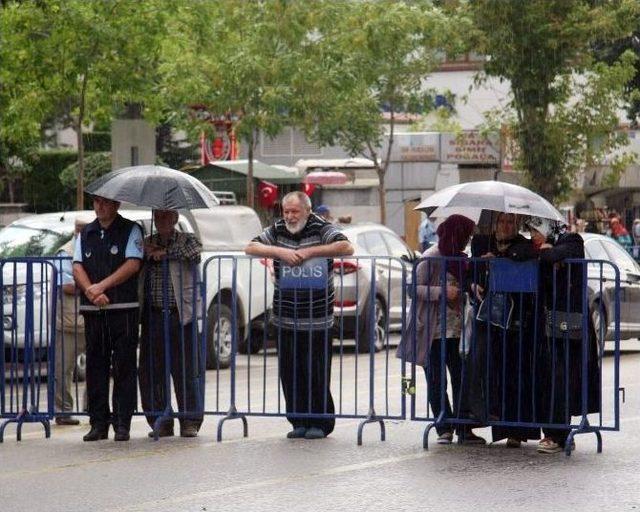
(500, 311)
(559, 324)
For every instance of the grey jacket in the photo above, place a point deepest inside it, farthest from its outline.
(184, 294)
(425, 309)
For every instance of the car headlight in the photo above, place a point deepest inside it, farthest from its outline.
(19, 292)
(14, 292)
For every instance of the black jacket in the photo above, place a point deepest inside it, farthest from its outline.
(561, 282)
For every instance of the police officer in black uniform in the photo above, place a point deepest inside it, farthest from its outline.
(105, 267)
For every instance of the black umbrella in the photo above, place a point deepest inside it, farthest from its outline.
(153, 186)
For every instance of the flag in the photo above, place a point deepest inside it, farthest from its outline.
(308, 188)
(267, 194)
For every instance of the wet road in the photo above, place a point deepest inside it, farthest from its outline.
(268, 472)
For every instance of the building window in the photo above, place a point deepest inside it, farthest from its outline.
(289, 143)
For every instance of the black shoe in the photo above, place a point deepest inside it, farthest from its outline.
(164, 432)
(188, 431)
(314, 433)
(67, 420)
(122, 434)
(96, 434)
(297, 433)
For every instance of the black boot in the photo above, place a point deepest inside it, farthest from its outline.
(96, 434)
(122, 434)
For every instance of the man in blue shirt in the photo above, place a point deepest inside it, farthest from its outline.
(427, 235)
(70, 341)
(106, 263)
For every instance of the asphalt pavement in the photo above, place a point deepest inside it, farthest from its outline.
(268, 472)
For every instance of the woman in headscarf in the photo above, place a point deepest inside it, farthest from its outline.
(502, 356)
(560, 341)
(438, 286)
(620, 234)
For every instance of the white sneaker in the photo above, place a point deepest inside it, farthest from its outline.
(445, 438)
(548, 446)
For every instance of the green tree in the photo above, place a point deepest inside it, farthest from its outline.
(610, 53)
(563, 104)
(96, 56)
(22, 105)
(367, 63)
(236, 58)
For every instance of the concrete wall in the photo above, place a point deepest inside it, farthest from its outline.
(133, 142)
(361, 204)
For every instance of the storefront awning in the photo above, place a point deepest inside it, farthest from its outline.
(261, 171)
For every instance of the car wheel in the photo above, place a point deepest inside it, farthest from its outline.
(380, 327)
(219, 336)
(598, 315)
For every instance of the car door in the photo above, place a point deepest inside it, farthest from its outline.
(601, 280)
(629, 288)
(398, 268)
(375, 246)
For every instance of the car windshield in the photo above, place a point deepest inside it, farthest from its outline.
(20, 241)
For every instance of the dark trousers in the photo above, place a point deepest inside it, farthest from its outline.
(304, 358)
(184, 369)
(437, 382)
(560, 374)
(112, 340)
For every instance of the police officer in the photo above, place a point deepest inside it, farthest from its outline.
(105, 267)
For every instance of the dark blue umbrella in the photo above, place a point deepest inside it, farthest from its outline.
(154, 186)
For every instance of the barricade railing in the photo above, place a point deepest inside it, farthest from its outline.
(319, 335)
(249, 336)
(29, 287)
(69, 356)
(172, 357)
(529, 353)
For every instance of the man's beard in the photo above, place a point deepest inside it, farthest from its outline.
(296, 227)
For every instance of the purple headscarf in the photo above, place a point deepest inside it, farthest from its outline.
(453, 235)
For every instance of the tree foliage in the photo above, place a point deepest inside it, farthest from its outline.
(610, 53)
(89, 58)
(22, 105)
(564, 105)
(95, 165)
(236, 58)
(367, 63)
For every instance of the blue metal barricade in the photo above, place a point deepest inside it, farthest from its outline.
(314, 355)
(29, 287)
(306, 379)
(69, 356)
(172, 347)
(526, 354)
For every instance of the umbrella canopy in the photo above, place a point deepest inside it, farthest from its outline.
(155, 187)
(471, 198)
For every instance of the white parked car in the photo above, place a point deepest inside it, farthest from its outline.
(224, 232)
(30, 236)
(353, 284)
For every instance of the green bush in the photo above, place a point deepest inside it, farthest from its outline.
(95, 165)
(95, 142)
